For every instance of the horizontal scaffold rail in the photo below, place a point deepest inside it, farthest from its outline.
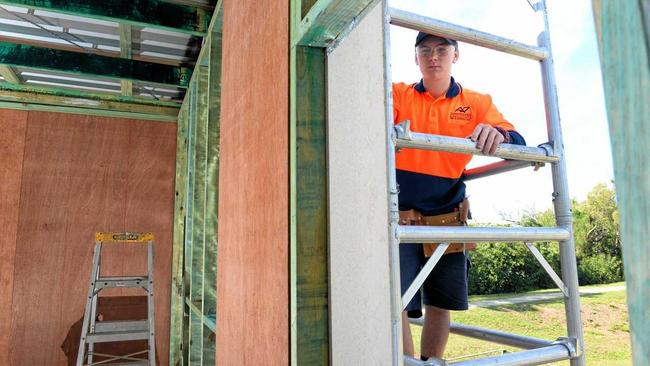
(461, 234)
(537, 356)
(537, 350)
(405, 138)
(463, 34)
(494, 336)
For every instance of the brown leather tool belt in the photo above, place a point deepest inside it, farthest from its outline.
(456, 218)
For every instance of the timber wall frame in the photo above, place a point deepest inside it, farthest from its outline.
(194, 262)
(313, 27)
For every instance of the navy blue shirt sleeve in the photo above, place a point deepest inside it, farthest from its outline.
(516, 138)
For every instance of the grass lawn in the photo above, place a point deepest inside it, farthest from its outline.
(604, 316)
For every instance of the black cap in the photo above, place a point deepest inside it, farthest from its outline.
(421, 36)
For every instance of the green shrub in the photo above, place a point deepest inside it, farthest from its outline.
(510, 267)
(600, 268)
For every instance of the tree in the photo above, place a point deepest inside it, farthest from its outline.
(596, 224)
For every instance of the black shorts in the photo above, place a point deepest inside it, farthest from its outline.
(446, 285)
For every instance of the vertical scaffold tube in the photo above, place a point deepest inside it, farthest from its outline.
(561, 198)
(393, 207)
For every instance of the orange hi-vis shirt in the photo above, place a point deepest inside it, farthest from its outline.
(455, 114)
(432, 181)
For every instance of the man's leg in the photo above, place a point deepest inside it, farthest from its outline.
(407, 338)
(445, 288)
(435, 332)
(410, 257)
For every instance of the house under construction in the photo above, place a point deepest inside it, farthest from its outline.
(254, 141)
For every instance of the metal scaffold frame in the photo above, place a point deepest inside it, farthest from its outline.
(537, 351)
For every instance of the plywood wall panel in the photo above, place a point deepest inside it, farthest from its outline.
(150, 206)
(12, 144)
(73, 171)
(252, 279)
(85, 174)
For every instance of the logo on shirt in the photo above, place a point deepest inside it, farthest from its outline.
(463, 113)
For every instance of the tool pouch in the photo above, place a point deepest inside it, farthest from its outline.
(457, 218)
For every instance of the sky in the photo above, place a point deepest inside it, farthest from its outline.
(515, 85)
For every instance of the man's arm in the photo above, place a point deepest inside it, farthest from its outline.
(494, 130)
(487, 138)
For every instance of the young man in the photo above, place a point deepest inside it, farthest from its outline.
(430, 183)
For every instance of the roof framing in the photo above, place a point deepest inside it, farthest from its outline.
(93, 65)
(20, 25)
(144, 13)
(55, 51)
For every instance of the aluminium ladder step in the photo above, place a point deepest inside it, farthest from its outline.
(118, 336)
(121, 282)
(134, 363)
(462, 234)
(405, 138)
(421, 23)
(122, 325)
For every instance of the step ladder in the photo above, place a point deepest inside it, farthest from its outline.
(536, 351)
(118, 331)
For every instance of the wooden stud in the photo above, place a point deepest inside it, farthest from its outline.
(197, 245)
(312, 280)
(126, 51)
(177, 299)
(190, 214)
(212, 190)
(308, 199)
(126, 86)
